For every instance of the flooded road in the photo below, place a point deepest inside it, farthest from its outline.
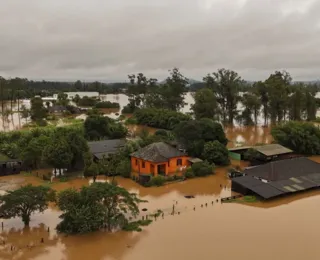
(280, 229)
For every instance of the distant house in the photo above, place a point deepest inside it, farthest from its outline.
(56, 109)
(105, 148)
(158, 159)
(278, 178)
(71, 95)
(10, 167)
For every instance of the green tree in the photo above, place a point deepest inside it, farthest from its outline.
(205, 105)
(301, 137)
(226, 84)
(262, 92)
(95, 206)
(252, 105)
(217, 153)
(31, 154)
(174, 89)
(124, 168)
(195, 133)
(58, 154)
(25, 113)
(92, 170)
(25, 201)
(37, 111)
(62, 99)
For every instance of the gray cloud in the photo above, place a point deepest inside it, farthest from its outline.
(108, 39)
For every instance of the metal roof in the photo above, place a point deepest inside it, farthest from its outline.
(284, 169)
(272, 149)
(105, 147)
(195, 160)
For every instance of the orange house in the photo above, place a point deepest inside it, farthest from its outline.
(158, 159)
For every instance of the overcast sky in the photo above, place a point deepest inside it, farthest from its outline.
(108, 39)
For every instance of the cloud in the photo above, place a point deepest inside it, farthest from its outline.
(106, 39)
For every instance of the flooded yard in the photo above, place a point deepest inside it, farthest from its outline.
(204, 229)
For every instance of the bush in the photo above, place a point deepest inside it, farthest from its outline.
(189, 173)
(160, 118)
(124, 168)
(86, 102)
(301, 137)
(131, 121)
(215, 152)
(128, 109)
(107, 104)
(136, 225)
(157, 181)
(41, 122)
(201, 169)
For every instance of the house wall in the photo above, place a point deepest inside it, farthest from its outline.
(171, 165)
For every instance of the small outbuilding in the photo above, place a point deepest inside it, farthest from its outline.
(10, 167)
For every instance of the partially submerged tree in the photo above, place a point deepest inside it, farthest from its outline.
(217, 153)
(96, 206)
(25, 201)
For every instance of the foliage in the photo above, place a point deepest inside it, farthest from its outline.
(98, 127)
(124, 168)
(157, 181)
(86, 101)
(107, 104)
(91, 170)
(217, 153)
(205, 104)
(131, 121)
(136, 225)
(301, 137)
(201, 169)
(251, 155)
(195, 133)
(128, 109)
(160, 118)
(62, 99)
(37, 111)
(25, 201)
(189, 173)
(95, 206)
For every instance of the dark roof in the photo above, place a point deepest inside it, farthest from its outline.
(284, 169)
(57, 108)
(272, 149)
(157, 152)
(105, 147)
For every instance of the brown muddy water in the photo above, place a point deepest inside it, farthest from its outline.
(280, 229)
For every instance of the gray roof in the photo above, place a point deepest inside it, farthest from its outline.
(284, 169)
(195, 160)
(105, 147)
(272, 149)
(157, 152)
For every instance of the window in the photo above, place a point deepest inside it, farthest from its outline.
(179, 162)
(136, 162)
(143, 165)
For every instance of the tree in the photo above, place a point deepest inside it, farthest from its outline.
(226, 84)
(37, 111)
(124, 168)
(205, 105)
(93, 207)
(217, 153)
(92, 170)
(195, 133)
(174, 89)
(62, 99)
(26, 200)
(251, 110)
(58, 154)
(301, 137)
(25, 112)
(262, 92)
(278, 91)
(31, 154)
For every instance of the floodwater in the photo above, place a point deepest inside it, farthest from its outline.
(281, 229)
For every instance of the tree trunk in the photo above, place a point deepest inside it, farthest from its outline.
(26, 219)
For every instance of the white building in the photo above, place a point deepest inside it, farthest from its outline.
(71, 95)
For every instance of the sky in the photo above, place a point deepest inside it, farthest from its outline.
(109, 39)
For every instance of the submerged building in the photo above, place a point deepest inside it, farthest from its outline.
(278, 178)
(158, 159)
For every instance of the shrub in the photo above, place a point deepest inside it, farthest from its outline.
(160, 118)
(128, 109)
(136, 225)
(131, 121)
(189, 173)
(124, 168)
(41, 122)
(201, 169)
(216, 152)
(107, 104)
(157, 181)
